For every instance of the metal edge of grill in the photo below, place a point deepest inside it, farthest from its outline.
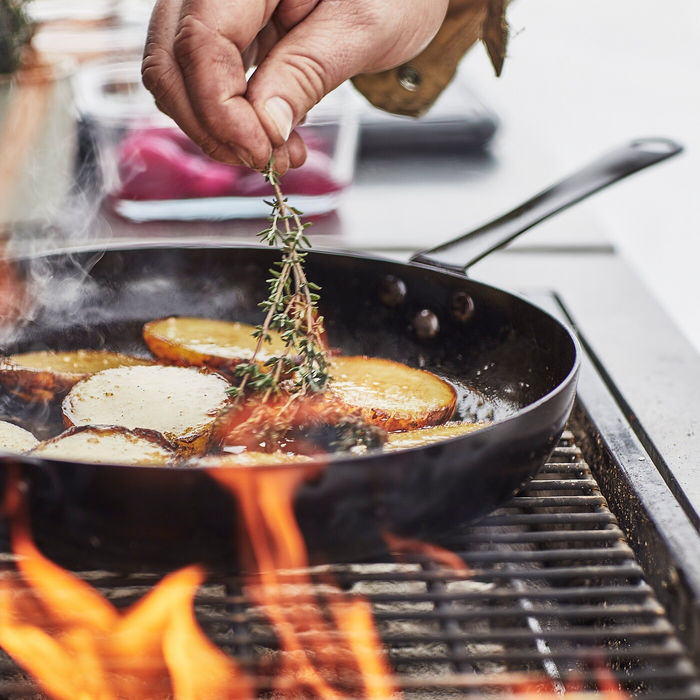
(661, 534)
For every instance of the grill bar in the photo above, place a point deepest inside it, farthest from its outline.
(638, 633)
(547, 519)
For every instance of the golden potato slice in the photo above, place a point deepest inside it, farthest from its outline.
(427, 436)
(390, 394)
(179, 402)
(44, 375)
(14, 439)
(206, 342)
(107, 444)
(250, 459)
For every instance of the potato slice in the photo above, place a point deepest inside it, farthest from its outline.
(179, 402)
(250, 459)
(206, 342)
(44, 375)
(427, 436)
(14, 439)
(107, 444)
(390, 394)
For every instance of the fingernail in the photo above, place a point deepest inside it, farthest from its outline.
(281, 114)
(245, 156)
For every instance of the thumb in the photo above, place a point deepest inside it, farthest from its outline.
(336, 41)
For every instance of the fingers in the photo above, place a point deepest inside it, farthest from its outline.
(289, 13)
(210, 39)
(163, 77)
(205, 104)
(296, 150)
(198, 51)
(335, 41)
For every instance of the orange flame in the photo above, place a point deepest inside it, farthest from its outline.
(400, 546)
(78, 646)
(319, 653)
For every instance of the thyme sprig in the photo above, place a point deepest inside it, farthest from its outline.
(266, 411)
(290, 309)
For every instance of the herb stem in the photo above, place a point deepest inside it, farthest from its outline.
(290, 311)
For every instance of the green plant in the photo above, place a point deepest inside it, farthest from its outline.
(16, 32)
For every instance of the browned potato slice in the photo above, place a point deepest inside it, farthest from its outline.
(43, 375)
(391, 395)
(15, 439)
(107, 444)
(206, 342)
(250, 459)
(179, 402)
(426, 436)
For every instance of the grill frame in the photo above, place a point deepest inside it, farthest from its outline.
(638, 488)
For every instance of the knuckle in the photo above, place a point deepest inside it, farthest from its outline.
(215, 150)
(214, 115)
(157, 74)
(311, 76)
(191, 37)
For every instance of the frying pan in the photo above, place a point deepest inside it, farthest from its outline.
(512, 363)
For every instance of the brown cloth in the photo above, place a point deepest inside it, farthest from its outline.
(413, 87)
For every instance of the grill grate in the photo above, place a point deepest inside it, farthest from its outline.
(555, 603)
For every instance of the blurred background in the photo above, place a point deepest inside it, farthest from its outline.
(580, 78)
(583, 76)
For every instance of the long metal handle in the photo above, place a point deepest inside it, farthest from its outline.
(463, 252)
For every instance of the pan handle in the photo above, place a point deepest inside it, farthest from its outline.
(463, 252)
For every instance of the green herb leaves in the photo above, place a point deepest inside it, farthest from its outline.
(290, 309)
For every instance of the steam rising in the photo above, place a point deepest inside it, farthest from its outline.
(57, 284)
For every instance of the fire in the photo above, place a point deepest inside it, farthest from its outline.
(401, 546)
(78, 646)
(321, 655)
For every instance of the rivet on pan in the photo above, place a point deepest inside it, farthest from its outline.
(392, 291)
(409, 77)
(426, 325)
(462, 307)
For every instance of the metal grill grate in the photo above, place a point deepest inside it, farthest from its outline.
(555, 603)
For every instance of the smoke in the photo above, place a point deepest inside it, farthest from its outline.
(53, 212)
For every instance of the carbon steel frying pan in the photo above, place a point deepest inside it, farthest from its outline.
(512, 363)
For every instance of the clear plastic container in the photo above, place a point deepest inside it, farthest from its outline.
(150, 169)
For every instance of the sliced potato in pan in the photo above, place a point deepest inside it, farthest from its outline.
(44, 375)
(14, 439)
(206, 342)
(427, 436)
(390, 394)
(108, 444)
(179, 402)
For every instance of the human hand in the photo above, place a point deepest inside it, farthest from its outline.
(197, 53)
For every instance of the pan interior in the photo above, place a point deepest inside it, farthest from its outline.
(500, 352)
